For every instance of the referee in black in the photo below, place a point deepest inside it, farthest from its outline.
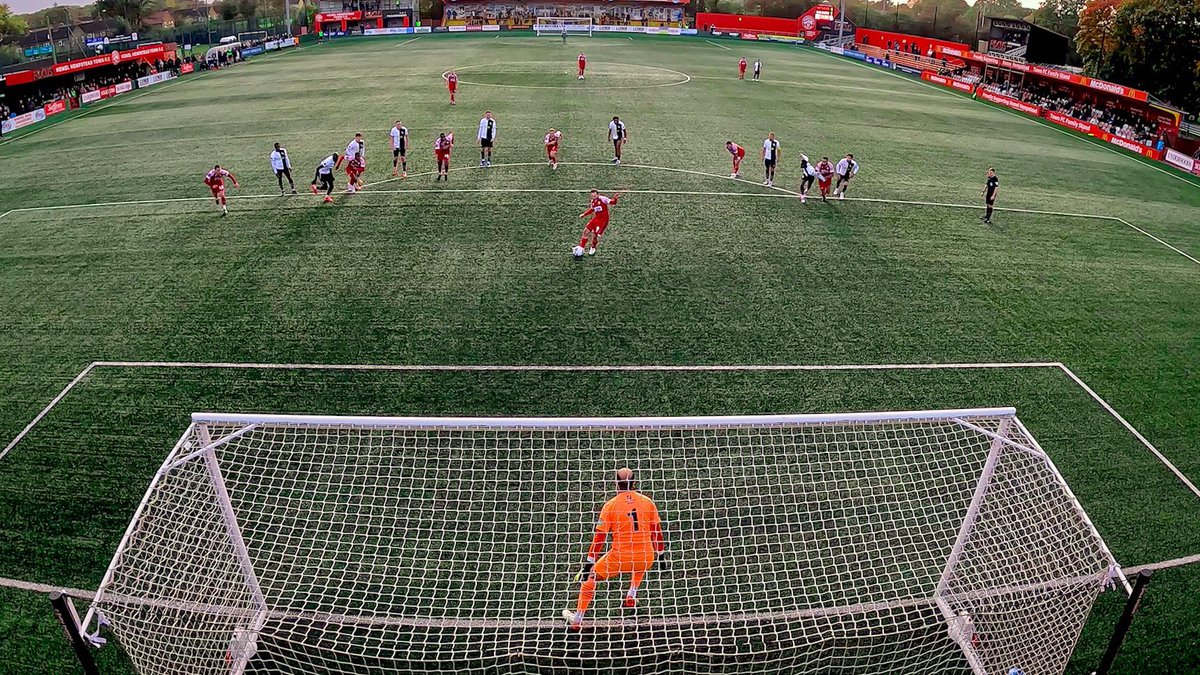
(990, 189)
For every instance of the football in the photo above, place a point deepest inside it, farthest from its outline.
(577, 252)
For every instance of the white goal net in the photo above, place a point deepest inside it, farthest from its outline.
(911, 542)
(556, 25)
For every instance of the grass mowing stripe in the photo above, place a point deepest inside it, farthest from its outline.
(1137, 434)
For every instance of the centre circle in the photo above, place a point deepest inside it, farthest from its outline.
(562, 75)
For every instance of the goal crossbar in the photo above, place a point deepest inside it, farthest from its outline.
(684, 422)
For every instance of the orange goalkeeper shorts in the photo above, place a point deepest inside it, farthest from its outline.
(623, 562)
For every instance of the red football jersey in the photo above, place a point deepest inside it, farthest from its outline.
(737, 151)
(452, 81)
(216, 177)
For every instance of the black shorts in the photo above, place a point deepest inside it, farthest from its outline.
(844, 178)
(485, 143)
(769, 163)
(282, 172)
(990, 200)
(326, 179)
(398, 152)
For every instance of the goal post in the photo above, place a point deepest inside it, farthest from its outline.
(941, 542)
(555, 25)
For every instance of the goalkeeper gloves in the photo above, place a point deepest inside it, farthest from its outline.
(588, 564)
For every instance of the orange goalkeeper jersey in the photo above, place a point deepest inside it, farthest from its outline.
(631, 518)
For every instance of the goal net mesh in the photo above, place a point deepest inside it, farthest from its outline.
(554, 25)
(927, 543)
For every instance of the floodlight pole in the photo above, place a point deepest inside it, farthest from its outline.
(841, 21)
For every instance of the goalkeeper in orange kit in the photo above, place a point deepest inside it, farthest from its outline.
(632, 520)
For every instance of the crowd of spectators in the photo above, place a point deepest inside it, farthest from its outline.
(1109, 116)
(38, 94)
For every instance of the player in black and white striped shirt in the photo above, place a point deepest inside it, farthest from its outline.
(487, 138)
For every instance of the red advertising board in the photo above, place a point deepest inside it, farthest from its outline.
(998, 99)
(337, 16)
(148, 53)
(55, 107)
(186, 68)
(1095, 131)
(950, 82)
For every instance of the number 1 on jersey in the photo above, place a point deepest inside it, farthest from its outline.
(633, 517)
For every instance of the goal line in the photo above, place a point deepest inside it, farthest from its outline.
(602, 368)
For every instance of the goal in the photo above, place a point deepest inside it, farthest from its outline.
(259, 35)
(555, 25)
(940, 542)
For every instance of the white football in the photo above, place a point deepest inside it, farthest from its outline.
(577, 251)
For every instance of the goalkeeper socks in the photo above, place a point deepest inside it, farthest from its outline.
(632, 593)
(587, 592)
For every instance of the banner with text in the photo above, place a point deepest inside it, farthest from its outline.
(1007, 102)
(953, 83)
(14, 123)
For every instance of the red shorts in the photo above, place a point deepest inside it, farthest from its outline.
(217, 190)
(597, 225)
(552, 151)
(452, 87)
(442, 156)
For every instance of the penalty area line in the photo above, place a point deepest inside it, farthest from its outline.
(613, 368)
(718, 45)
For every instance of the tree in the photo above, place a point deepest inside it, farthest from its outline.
(1060, 16)
(247, 8)
(1094, 40)
(1154, 45)
(131, 11)
(228, 10)
(10, 24)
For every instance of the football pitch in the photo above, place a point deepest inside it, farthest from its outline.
(708, 296)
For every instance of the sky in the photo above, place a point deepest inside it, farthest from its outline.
(26, 6)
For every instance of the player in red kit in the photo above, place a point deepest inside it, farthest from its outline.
(739, 153)
(452, 85)
(215, 180)
(599, 211)
(825, 173)
(441, 151)
(551, 142)
(582, 64)
(354, 172)
(742, 69)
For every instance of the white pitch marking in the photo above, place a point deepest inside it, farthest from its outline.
(718, 45)
(1024, 117)
(414, 40)
(780, 190)
(686, 78)
(1158, 240)
(1136, 434)
(569, 368)
(45, 411)
(44, 588)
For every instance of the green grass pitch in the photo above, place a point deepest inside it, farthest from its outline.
(478, 271)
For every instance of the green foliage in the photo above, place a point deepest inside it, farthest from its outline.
(1149, 44)
(131, 11)
(1060, 16)
(247, 8)
(485, 277)
(228, 10)
(11, 25)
